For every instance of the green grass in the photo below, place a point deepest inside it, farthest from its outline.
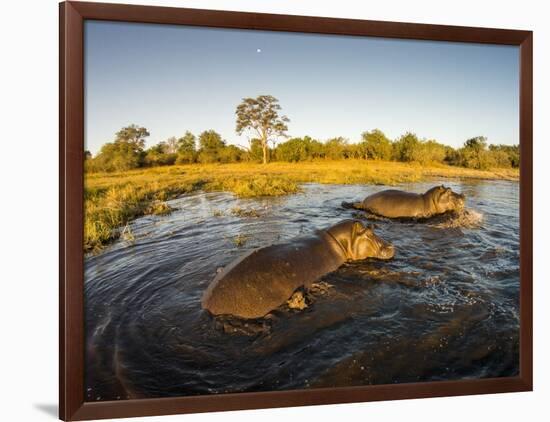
(245, 213)
(217, 213)
(114, 199)
(240, 240)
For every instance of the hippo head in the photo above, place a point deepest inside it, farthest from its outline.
(360, 242)
(444, 199)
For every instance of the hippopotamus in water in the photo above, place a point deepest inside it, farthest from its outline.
(393, 203)
(260, 281)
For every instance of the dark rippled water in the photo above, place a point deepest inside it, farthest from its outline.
(445, 308)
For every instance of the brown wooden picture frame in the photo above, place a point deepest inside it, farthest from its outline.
(72, 405)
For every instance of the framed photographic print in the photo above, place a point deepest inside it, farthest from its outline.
(268, 210)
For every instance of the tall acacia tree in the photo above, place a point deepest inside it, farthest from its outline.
(261, 115)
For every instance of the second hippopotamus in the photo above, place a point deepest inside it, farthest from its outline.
(262, 280)
(393, 203)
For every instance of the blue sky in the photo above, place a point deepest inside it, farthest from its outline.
(175, 78)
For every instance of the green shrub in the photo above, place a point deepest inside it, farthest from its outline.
(186, 149)
(210, 143)
(230, 154)
(116, 156)
(511, 151)
(375, 146)
(498, 158)
(404, 147)
(186, 157)
(299, 149)
(156, 156)
(337, 148)
(425, 152)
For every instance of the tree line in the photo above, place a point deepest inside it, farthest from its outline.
(260, 116)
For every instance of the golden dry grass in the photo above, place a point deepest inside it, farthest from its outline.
(114, 199)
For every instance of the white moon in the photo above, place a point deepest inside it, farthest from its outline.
(259, 50)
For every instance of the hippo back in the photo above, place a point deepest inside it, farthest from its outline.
(394, 203)
(260, 281)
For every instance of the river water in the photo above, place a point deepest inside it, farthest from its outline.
(445, 308)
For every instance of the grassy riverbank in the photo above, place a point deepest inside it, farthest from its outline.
(114, 199)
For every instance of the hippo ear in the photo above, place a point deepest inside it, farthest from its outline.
(358, 228)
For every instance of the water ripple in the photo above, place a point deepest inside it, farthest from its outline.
(445, 308)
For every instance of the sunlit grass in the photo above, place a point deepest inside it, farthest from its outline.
(245, 213)
(114, 199)
(240, 240)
